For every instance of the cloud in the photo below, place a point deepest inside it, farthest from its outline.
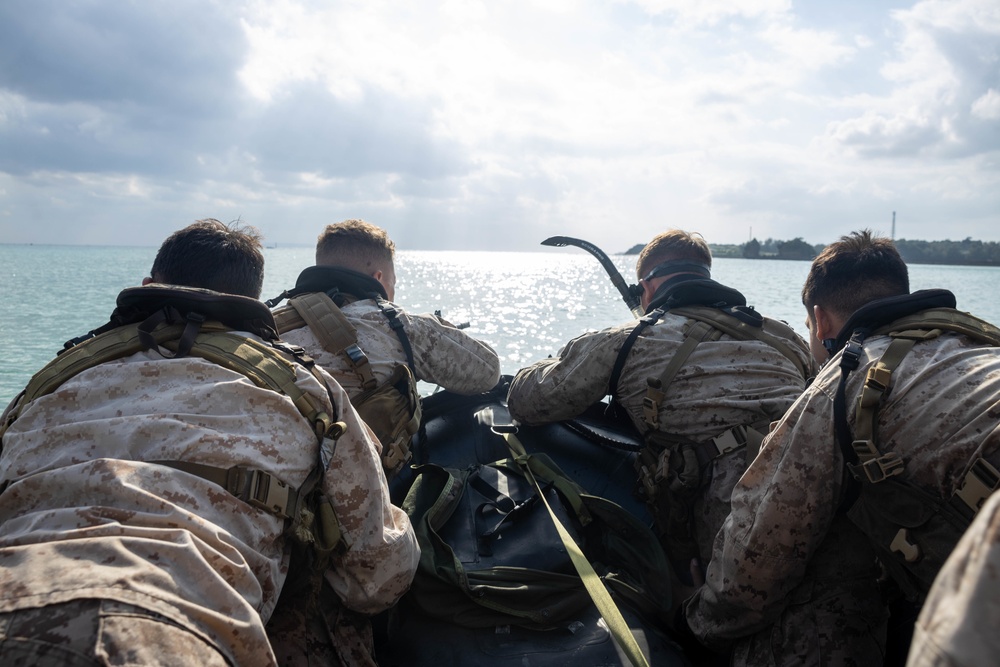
(492, 125)
(946, 59)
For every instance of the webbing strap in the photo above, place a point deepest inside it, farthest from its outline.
(254, 487)
(598, 592)
(616, 371)
(657, 388)
(396, 324)
(335, 332)
(877, 466)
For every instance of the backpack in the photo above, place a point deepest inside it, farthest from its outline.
(490, 555)
(912, 531)
(391, 409)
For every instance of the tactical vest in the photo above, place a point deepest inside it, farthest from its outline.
(671, 467)
(391, 409)
(199, 323)
(913, 531)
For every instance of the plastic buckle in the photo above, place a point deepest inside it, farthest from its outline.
(268, 493)
(880, 469)
(977, 485)
(731, 440)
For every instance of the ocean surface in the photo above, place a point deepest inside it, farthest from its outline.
(526, 305)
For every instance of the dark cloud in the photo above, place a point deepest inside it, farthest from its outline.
(116, 87)
(174, 57)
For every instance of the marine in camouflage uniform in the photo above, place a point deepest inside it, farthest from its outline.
(105, 555)
(442, 353)
(355, 264)
(725, 382)
(788, 528)
(959, 621)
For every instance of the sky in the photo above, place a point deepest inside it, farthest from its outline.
(468, 125)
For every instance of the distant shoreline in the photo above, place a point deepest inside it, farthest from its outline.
(938, 253)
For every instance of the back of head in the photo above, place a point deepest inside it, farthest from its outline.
(212, 255)
(853, 271)
(674, 244)
(356, 245)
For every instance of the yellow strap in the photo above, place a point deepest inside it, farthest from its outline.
(598, 592)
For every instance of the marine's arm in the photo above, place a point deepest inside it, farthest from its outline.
(445, 355)
(381, 560)
(562, 387)
(782, 508)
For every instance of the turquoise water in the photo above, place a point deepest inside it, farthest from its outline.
(526, 305)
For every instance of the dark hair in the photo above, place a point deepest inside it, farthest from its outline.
(673, 244)
(356, 245)
(212, 255)
(853, 271)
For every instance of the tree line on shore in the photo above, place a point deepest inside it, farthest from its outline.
(968, 251)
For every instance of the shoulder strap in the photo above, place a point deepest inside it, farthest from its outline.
(392, 314)
(649, 319)
(330, 326)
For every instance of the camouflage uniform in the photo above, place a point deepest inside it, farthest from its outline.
(724, 383)
(85, 517)
(785, 523)
(959, 621)
(442, 353)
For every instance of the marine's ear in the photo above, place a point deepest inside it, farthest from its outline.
(827, 325)
(147, 281)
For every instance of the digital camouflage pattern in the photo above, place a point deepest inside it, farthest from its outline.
(958, 624)
(99, 632)
(725, 383)
(785, 529)
(442, 353)
(85, 517)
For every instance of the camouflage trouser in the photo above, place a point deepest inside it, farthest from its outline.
(300, 637)
(91, 632)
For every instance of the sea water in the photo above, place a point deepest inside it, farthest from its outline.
(525, 305)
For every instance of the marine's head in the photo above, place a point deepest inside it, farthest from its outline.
(212, 255)
(671, 253)
(846, 275)
(362, 247)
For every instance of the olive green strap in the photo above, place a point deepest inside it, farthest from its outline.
(598, 592)
(334, 331)
(875, 465)
(657, 389)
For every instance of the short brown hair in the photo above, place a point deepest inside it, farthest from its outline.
(355, 244)
(212, 255)
(853, 271)
(673, 244)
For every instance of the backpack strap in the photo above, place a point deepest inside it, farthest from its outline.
(330, 326)
(391, 313)
(649, 319)
(656, 387)
(591, 581)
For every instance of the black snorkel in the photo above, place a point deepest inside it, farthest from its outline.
(630, 293)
